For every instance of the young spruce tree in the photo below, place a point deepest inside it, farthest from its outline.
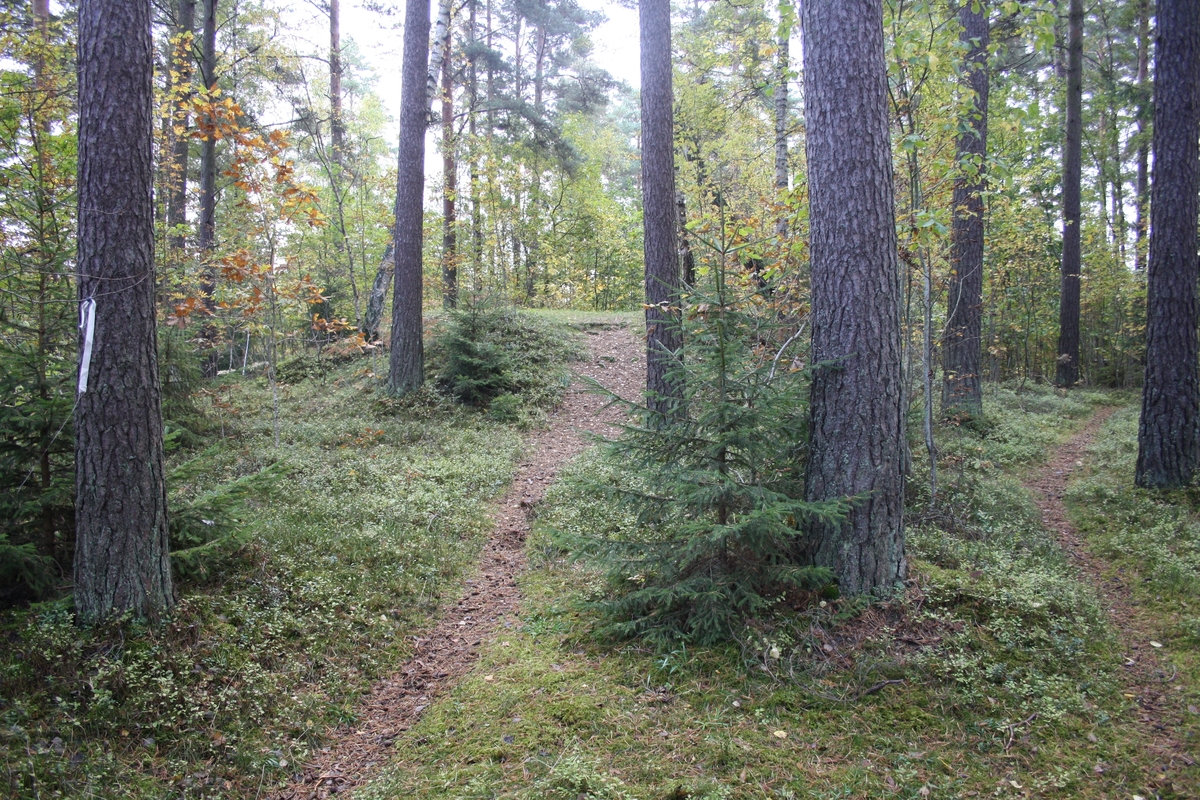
(719, 490)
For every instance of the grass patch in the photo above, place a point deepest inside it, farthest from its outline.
(993, 676)
(1152, 540)
(381, 506)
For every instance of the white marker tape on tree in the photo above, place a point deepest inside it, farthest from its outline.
(87, 326)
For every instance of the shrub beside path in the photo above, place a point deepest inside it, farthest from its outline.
(490, 597)
(1149, 678)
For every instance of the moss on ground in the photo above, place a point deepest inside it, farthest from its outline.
(993, 675)
(382, 505)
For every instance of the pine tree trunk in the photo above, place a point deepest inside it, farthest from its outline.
(1169, 434)
(1067, 374)
(181, 142)
(206, 238)
(962, 384)
(856, 445)
(386, 269)
(664, 341)
(407, 356)
(122, 560)
(1143, 152)
(449, 189)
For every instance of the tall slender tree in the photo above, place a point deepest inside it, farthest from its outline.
(449, 188)
(1169, 433)
(181, 72)
(206, 232)
(337, 122)
(1143, 139)
(857, 435)
(1067, 373)
(962, 384)
(407, 357)
(122, 562)
(664, 341)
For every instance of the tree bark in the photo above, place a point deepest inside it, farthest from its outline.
(407, 356)
(1067, 374)
(337, 124)
(664, 338)
(122, 561)
(180, 122)
(206, 238)
(1169, 433)
(386, 270)
(961, 353)
(449, 189)
(1143, 151)
(857, 435)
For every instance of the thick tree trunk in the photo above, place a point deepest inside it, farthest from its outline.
(857, 435)
(961, 353)
(407, 356)
(449, 190)
(1143, 152)
(122, 561)
(180, 122)
(664, 339)
(1169, 434)
(1067, 374)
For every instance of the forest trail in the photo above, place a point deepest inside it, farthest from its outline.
(1149, 677)
(490, 598)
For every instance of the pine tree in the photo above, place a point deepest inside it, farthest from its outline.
(122, 562)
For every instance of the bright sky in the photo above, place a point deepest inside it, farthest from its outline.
(380, 40)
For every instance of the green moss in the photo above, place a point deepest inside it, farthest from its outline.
(1006, 681)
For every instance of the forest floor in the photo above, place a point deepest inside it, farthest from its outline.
(407, 621)
(490, 599)
(1152, 683)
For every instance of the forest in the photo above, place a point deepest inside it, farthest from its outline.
(414, 400)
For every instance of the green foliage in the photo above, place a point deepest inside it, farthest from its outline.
(207, 529)
(491, 355)
(38, 306)
(715, 495)
(308, 586)
(477, 365)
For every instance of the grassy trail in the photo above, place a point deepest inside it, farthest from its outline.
(490, 599)
(1151, 683)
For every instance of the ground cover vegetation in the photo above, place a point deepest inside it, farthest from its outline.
(993, 674)
(303, 569)
(684, 632)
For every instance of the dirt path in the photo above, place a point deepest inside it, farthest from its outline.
(1149, 676)
(490, 597)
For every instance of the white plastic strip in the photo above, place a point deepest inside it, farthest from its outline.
(87, 326)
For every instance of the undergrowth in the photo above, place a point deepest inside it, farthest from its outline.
(1152, 540)
(992, 675)
(306, 570)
